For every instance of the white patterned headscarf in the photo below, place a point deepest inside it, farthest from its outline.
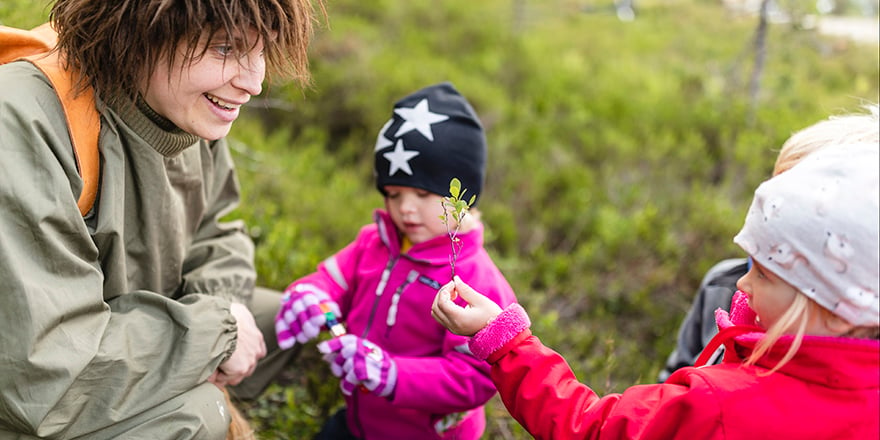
(816, 226)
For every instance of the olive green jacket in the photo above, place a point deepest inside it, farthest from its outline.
(107, 315)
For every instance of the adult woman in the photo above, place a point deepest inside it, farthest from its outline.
(115, 324)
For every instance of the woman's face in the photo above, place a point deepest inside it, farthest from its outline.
(416, 212)
(203, 96)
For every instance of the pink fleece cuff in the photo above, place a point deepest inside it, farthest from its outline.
(499, 331)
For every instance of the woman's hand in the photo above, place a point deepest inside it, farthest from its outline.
(249, 348)
(468, 320)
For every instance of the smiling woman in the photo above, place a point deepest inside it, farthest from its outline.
(203, 95)
(128, 321)
(136, 35)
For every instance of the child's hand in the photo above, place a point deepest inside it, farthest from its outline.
(360, 363)
(300, 318)
(465, 321)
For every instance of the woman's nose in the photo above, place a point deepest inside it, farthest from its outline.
(251, 73)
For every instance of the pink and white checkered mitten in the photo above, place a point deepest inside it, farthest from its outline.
(300, 318)
(359, 362)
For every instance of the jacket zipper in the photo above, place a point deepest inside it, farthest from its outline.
(386, 273)
(392, 309)
(383, 281)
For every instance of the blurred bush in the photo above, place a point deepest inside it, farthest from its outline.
(623, 156)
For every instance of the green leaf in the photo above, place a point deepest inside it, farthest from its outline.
(455, 187)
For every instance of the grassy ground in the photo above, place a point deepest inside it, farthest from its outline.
(622, 158)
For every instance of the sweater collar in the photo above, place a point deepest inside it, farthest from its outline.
(157, 131)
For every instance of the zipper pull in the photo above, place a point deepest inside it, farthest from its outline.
(392, 310)
(384, 279)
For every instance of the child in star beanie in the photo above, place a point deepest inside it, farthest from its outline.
(433, 136)
(402, 375)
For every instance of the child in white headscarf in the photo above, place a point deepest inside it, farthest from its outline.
(803, 354)
(719, 283)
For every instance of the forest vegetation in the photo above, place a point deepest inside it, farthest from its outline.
(622, 158)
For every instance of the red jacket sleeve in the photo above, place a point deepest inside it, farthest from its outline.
(542, 393)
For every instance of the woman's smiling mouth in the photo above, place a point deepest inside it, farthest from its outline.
(221, 103)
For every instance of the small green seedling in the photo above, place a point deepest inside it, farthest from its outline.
(455, 206)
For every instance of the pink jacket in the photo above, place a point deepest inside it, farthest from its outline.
(439, 381)
(829, 390)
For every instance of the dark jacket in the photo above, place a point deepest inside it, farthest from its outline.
(698, 327)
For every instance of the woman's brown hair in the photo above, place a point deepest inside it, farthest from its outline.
(116, 45)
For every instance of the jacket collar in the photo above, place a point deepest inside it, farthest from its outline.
(837, 362)
(434, 251)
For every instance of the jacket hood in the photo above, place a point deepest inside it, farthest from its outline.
(839, 362)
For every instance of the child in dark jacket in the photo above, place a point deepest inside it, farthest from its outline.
(803, 353)
(404, 376)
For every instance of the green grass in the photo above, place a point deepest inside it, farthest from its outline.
(622, 158)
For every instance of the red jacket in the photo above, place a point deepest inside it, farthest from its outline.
(829, 390)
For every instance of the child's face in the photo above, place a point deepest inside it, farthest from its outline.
(770, 296)
(203, 96)
(415, 212)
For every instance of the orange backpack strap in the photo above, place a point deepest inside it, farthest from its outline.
(83, 120)
(19, 43)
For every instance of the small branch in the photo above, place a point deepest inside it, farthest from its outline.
(454, 206)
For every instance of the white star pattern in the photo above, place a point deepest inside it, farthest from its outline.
(419, 118)
(399, 159)
(382, 141)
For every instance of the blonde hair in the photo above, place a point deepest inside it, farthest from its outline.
(796, 317)
(836, 130)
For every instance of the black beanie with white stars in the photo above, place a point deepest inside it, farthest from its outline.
(433, 135)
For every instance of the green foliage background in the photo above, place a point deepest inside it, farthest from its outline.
(622, 159)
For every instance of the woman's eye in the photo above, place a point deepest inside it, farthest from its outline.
(225, 50)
